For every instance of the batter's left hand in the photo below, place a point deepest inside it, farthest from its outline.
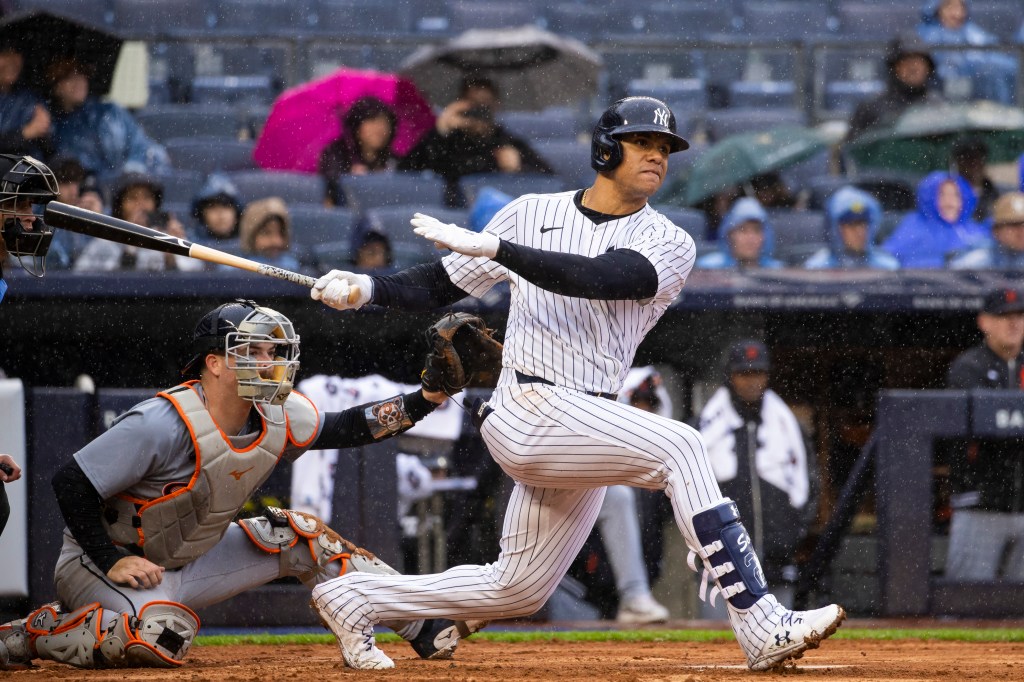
(447, 236)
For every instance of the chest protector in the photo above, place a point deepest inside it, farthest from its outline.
(185, 522)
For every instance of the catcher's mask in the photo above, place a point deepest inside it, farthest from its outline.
(24, 182)
(231, 329)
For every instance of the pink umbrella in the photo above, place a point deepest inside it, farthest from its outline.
(305, 119)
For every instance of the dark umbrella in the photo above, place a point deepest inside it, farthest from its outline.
(923, 137)
(43, 37)
(532, 68)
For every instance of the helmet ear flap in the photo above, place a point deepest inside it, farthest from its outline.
(605, 152)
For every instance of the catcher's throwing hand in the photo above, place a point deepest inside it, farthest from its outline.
(137, 572)
(343, 290)
(460, 240)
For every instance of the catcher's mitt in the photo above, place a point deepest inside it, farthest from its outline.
(463, 353)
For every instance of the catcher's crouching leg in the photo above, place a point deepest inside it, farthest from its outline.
(313, 552)
(93, 637)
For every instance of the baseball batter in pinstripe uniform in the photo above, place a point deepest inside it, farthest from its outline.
(590, 272)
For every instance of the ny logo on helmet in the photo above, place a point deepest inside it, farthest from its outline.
(661, 117)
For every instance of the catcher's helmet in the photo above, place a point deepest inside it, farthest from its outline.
(23, 178)
(631, 115)
(229, 329)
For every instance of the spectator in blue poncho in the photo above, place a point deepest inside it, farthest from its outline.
(947, 22)
(853, 218)
(941, 227)
(1006, 251)
(24, 120)
(745, 239)
(101, 135)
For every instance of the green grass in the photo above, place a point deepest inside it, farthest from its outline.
(941, 634)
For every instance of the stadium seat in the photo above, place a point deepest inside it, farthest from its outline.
(844, 96)
(1003, 18)
(877, 20)
(681, 94)
(263, 17)
(585, 22)
(147, 18)
(540, 125)
(206, 155)
(749, 94)
(799, 176)
(785, 20)
(181, 185)
(688, 19)
(690, 219)
(375, 190)
(721, 123)
(301, 188)
(798, 234)
(407, 247)
(185, 120)
(569, 159)
(243, 90)
(94, 12)
(375, 17)
(513, 184)
(313, 225)
(466, 15)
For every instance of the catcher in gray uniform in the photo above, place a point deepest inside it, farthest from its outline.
(149, 505)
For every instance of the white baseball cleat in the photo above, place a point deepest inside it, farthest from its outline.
(641, 610)
(358, 649)
(770, 634)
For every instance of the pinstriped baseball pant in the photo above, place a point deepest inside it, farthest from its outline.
(562, 448)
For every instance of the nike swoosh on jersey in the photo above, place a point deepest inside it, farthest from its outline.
(549, 229)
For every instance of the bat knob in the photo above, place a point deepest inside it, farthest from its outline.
(353, 295)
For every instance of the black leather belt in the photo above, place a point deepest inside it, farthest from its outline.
(527, 379)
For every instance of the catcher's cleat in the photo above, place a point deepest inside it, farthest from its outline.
(14, 646)
(358, 649)
(439, 637)
(771, 634)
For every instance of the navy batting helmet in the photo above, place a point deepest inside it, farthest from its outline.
(631, 115)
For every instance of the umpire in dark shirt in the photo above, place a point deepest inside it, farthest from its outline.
(987, 531)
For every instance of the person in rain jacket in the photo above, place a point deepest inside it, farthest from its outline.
(745, 239)
(24, 119)
(101, 135)
(265, 233)
(947, 22)
(367, 131)
(217, 209)
(853, 218)
(1006, 251)
(941, 228)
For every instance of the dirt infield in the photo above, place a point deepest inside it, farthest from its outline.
(480, 661)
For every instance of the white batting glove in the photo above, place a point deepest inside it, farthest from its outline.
(453, 237)
(343, 290)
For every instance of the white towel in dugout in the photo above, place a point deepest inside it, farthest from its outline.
(313, 473)
(781, 457)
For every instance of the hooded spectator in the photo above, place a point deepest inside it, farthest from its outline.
(367, 131)
(745, 239)
(910, 67)
(373, 252)
(853, 218)
(265, 233)
(1006, 251)
(217, 209)
(941, 228)
(24, 120)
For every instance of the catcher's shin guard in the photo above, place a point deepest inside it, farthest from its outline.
(92, 637)
(308, 548)
(728, 556)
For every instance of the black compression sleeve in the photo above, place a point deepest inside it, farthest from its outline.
(616, 275)
(81, 507)
(350, 428)
(419, 288)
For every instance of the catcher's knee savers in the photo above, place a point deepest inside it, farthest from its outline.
(93, 637)
(728, 556)
(307, 546)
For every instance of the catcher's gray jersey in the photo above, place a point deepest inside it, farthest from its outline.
(579, 343)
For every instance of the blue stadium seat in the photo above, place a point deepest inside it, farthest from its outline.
(206, 155)
(556, 123)
(375, 190)
(185, 120)
(798, 234)
(800, 175)
(877, 20)
(569, 159)
(253, 89)
(181, 185)
(466, 15)
(585, 22)
(721, 123)
(785, 20)
(762, 94)
(336, 17)
(94, 12)
(514, 184)
(407, 247)
(681, 94)
(687, 19)
(294, 188)
(844, 96)
(313, 225)
(690, 219)
(263, 17)
(1002, 17)
(147, 18)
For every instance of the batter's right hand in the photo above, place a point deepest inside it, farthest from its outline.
(137, 572)
(343, 290)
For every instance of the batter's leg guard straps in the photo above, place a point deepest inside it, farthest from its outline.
(728, 556)
(91, 637)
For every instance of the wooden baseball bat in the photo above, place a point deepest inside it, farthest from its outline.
(94, 224)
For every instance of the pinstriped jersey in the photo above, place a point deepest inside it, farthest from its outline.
(583, 344)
